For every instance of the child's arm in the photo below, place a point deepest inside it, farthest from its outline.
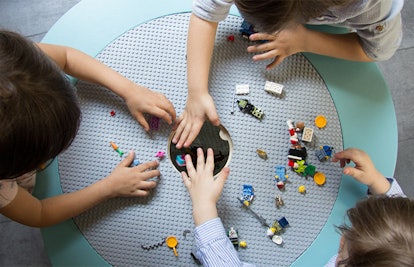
(124, 181)
(210, 236)
(200, 105)
(139, 99)
(296, 38)
(364, 170)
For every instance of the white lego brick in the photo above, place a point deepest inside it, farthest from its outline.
(307, 134)
(273, 88)
(242, 89)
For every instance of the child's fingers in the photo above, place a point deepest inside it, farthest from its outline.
(210, 159)
(200, 159)
(351, 171)
(186, 179)
(222, 176)
(142, 121)
(189, 165)
(147, 166)
(128, 159)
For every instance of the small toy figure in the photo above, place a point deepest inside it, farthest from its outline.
(245, 106)
(280, 185)
(160, 155)
(262, 154)
(300, 125)
(324, 153)
(277, 227)
(116, 148)
(180, 160)
(281, 173)
(302, 189)
(320, 121)
(299, 166)
(234, 237)
(248, 194)
(273, 88)
(280, 176)
(279, 201)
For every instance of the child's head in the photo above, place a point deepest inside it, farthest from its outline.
(382, 233)
(273, 15)
(39, 112)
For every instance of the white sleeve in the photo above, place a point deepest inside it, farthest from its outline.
(212, 10)
(213, 247)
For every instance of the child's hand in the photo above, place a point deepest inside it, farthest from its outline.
(279, 45)
(142, 100)
(189, 123)
(125, 181)
(203, 188)
(364, 170)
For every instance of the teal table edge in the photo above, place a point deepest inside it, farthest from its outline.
(361, 96)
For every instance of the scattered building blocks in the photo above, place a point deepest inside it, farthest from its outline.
(324, 153)
(242, 89)
(180, 160)
(273, 88)
(279, 201)
(160, 155)
(116, 148)
(262, 154)
(302, 189)
(246, 107)
(320, 121)
(234, 237)
(248, 194)
(319, 178)
(307, 134)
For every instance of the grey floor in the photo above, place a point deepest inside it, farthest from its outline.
(23, 246)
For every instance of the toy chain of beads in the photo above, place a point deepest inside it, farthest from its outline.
(159, 244)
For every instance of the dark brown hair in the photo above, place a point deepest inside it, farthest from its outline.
(39, 112)
(273, 15)
(382, 232)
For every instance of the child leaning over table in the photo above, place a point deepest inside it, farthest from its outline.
(381, 231)
(39, 118)
(375, 34)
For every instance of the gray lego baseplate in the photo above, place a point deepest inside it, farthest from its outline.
(154, 54)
